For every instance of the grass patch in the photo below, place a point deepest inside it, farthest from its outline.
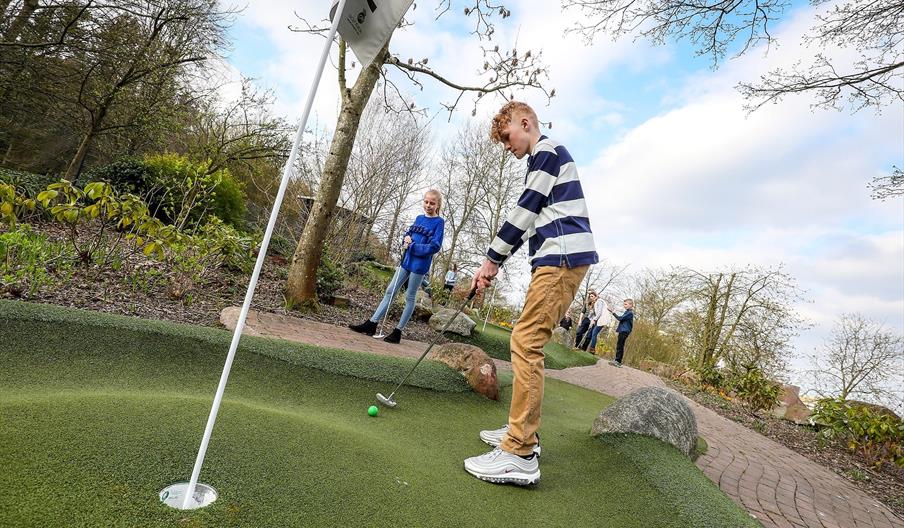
(54, 328)
(700, 448)
(94, 425)
(495, 341)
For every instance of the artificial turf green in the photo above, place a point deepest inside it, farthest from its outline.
(92, 426)
(494, 340)
(55, 325)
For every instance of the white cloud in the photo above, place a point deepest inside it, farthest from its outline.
(701, 184)
(707, 186)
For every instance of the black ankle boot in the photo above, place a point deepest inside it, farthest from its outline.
(367, 327)
(394, 337)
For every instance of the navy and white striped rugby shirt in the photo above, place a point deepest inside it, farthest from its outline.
(551, 213)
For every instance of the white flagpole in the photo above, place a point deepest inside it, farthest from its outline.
(240, 324)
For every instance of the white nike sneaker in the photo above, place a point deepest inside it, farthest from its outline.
(503, 467)
(494, 437)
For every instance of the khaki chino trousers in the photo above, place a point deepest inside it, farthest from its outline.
(549, 296)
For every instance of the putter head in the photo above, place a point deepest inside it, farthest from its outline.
(389, 402)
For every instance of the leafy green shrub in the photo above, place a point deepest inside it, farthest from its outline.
(711, 375)
(754, 389)
(329, 276)
(879, 437)
(128, 175)
(281, 245)
(97, 219)
(26, 261)
(237, 251)
(185, 194)
(13, 204)
(28, 183)
(229, 200)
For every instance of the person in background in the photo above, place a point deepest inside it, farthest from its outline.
(599, 324)
(585, 320)
(451, 278)
(566, 321)
(625, 325)
(422, 240)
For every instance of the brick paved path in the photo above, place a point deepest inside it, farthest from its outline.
(778, 486)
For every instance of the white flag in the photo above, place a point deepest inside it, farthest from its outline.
(367, 24)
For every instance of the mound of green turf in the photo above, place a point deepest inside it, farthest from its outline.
(54, 326)
(494, 340)
(96, 419)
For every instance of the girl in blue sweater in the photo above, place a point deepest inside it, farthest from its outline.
(422, 240)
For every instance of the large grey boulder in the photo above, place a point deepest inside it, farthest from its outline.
(462, 325)
(651, 411)
(423, 306)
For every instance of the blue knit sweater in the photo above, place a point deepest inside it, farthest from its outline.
(426, 240)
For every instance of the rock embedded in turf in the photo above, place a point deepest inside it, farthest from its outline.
(651, 411)
(462, 325)
(474, 364)
(562, 337)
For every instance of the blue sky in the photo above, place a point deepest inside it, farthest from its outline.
(675, 171)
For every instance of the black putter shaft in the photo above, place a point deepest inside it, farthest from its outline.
(435, 339)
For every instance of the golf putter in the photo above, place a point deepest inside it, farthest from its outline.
(389, 401)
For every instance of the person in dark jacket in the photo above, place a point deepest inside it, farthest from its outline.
(625, 325)
(566, 322)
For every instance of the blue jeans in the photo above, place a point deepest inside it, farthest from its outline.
(414, 281)
(593, 335)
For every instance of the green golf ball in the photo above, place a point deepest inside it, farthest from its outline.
(373, 410)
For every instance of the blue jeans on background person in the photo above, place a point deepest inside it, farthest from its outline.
(594, 334)
(414, 281)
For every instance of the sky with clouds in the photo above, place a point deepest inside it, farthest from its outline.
(674, 169)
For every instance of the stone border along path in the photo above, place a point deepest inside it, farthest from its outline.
(778, 486)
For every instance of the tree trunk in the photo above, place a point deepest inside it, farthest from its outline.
(709, 323)
(28, 7)
(75, 166)
(301, 286)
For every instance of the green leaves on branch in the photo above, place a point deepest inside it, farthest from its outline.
(758, 392)
(878, 436)
(100, 215)
(13, 204)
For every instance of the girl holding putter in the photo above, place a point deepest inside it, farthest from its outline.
(422, 240)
